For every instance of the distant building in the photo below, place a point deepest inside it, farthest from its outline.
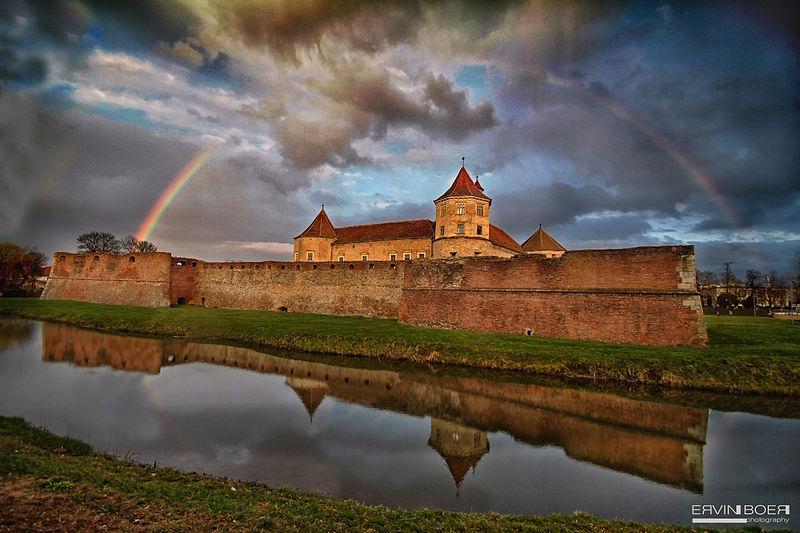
(461, 228)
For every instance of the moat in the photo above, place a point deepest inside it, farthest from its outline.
(393, 436)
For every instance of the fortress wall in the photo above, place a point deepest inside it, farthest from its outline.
(140, 279)
(357, 288)
(638, 295)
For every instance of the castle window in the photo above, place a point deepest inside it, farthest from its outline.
(132, 259)
(453, 254)
(363, 257)
(392, 257)
(477, 253)
(480, 211)
(421, 255)
(479, 231)
(341, 259)
(96, 259)
(296, 256)
(441, 230)
(460, 229)
(461, 209)
(407, 256)
(309, 256)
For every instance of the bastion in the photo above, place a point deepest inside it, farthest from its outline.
(644, 295)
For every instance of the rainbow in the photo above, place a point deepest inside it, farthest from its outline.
(168, 195)
(621, 112)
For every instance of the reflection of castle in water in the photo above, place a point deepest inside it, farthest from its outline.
(656, 441)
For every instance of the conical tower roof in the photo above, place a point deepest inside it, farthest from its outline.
(320, 227)
(310, 392)
(541, 241)
(463, 186)
(460, 466)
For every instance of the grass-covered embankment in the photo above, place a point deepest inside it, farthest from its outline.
(50, 483)
(747, 355)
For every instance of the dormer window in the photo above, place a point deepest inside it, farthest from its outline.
(461, 209)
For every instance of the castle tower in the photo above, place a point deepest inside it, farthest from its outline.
(461, 447)
(462, 219)
(314, 244)
(541, 243)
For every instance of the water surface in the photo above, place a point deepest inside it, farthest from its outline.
(400, 438)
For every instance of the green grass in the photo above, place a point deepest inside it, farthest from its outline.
(71, 478)
(746, 355)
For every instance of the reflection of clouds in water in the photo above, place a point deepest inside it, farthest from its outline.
(256, 426)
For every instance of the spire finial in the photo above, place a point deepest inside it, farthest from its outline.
(540, 226)
(323, 207)
(462, 161)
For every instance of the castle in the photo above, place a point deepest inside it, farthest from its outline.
(462, 229)
(458, 271)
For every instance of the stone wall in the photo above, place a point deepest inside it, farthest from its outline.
(382, 250)
(357, 288)
(638, 295)
(468, 247)
(141, 279)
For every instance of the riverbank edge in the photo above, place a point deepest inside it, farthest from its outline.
(745, 368)
(86, 488)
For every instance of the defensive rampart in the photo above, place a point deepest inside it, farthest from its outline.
(338, 288)
(637, 295)
(141, 279)
(642, 295)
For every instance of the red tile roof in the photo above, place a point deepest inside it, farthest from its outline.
(463, 186)
(320, 227)
(384, 231)
(541, 241)
(501, 238)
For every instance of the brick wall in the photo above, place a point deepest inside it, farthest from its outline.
(638, 295)
(141, 279)
(357, 288)
(182, 280)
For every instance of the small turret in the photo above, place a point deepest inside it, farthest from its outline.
(541, 243)
(314, 244)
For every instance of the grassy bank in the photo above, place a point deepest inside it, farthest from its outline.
(747, 355)
(57, 483)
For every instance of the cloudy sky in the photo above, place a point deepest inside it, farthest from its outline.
(615, 125)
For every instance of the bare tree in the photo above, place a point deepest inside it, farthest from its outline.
(98, 242)
(130, 244)
(705, 278)
(753, 282)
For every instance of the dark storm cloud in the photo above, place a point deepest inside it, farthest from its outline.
(731, 110)
(521, 212)
(763, 256)
(369, 103)
(287, 29)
